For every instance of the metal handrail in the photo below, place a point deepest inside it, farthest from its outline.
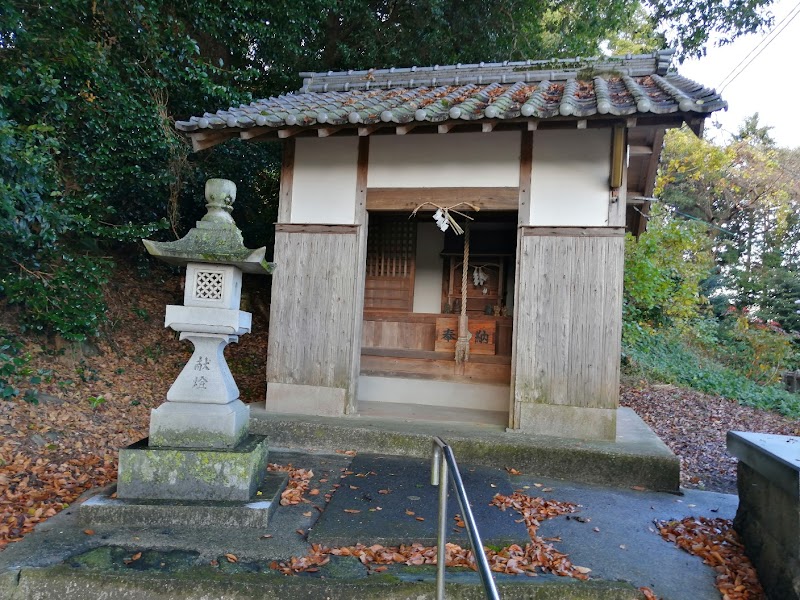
(444, 461)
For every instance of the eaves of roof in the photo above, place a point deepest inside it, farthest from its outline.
(573, 89)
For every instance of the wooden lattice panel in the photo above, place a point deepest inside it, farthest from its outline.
(391, 251)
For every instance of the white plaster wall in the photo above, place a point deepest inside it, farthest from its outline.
(428, 273)
(324, 182)
(445, 160)
(569, 180)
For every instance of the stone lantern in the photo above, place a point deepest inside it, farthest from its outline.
(199, 447)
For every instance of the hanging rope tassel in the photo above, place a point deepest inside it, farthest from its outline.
(462, 345)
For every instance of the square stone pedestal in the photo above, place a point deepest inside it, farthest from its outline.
(195, 424)
(160, 473)
(105, 508)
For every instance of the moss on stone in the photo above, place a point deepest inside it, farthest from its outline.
(175, 473)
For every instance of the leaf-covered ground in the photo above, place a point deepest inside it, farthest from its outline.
(90, 406)
(694, 426)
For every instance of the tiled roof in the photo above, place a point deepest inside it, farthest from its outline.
(572, 88)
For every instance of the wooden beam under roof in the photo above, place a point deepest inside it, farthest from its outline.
(407, 199)
(404, 129)
(256, 132)
(288, 132)
(367, 130)
(652, 166)
(640, 150)
(205, 140)
(327, 131)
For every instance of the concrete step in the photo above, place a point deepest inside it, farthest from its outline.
(636, 458)
(57, 583)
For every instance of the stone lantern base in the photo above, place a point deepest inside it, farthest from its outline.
(208, 426)
(160, 473)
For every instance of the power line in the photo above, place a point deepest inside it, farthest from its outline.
(764, 44)
(767, 39)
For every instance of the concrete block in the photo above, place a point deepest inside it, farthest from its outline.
(568, 421)
(289, 398)
(195, 425)
(777, 457)
(192, 474)
(768, 518)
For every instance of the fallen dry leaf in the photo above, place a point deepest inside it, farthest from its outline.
(88, 531)
(648, 593)
(716, 542)
(583, 570)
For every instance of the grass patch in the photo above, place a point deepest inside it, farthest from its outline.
(664, 356)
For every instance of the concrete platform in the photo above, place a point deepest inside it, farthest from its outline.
(61, 560)
(637, 457)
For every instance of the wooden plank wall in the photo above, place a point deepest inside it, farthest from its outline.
(398, 334)
(311, 322)
(569, 316)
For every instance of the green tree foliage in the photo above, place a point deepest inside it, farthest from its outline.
(88, 153)
(747, 192)
(664, 268)
(89, 158)
(690, 23)
(728, 230)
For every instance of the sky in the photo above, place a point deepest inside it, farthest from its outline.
(768, 85)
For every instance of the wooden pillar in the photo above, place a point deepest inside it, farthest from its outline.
(361, 218)
(567, 326)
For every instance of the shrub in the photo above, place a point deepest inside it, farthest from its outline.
(665, 356)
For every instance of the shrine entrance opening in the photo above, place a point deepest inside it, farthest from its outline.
(414, 295)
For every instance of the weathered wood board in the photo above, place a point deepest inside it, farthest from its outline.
(312, 318)
(568, 318)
